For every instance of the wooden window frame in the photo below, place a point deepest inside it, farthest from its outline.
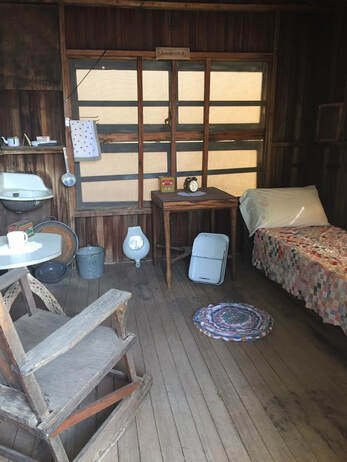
(175, 133)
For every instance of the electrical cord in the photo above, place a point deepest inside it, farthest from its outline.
(93, 67)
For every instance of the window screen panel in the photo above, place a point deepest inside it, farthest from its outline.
(235, 114)
(190, 115)
(120, 163)
(110, 191)
(189, 161)
(155, 162)
(109, 115)
(236, 86)
(107, 84)
(155, 85)
(234, 183)
(149, 185)
(191, 86)
(220, 160)
(155, 115)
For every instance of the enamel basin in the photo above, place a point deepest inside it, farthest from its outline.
(22, 192)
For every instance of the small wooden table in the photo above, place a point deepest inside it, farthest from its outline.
(173, 202)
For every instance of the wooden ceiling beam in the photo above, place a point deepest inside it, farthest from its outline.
(189, 6)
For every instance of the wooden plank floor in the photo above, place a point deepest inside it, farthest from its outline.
(280, 399)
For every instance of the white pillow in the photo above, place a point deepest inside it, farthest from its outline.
(277, 207)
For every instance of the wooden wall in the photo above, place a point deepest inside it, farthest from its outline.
(31, 99)
(107, 28)
(326, 162)
(126, 29)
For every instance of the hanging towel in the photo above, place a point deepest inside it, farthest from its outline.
(85, 140)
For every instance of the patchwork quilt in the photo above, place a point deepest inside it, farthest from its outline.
(310, 263)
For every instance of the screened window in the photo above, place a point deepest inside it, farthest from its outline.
(225, 153)
(114, 179)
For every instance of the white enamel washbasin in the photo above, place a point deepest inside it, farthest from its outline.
(22, 192)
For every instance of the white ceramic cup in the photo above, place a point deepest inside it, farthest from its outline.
(17, 239)
(13, 141)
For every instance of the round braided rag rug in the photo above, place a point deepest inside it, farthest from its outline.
(237, 322)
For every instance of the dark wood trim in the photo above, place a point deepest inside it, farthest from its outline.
(187, 135)
(95, 407)
(100, 231)
(287, 144)
(173, 118)
(188, 6)
(194, 55)
(5, 366)
(31, 150)
(99, 212)
(344, 114)
(207, 80)
(140, 129)
(252, 134)
(338, 127)
(270, 110)
(67, 109)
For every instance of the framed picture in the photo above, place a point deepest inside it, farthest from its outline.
(167, 184)
(329, 122)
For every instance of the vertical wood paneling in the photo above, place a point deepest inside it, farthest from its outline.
(140, 129)
(109, 232)
(49, 167)
(123, 29)
(108, 238)
(325, 163)
(206, 121)
(173, 118)
(29, 47)
(311, 70)
(67, 111)
(35, 112)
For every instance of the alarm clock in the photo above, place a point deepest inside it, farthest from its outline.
(191, 184)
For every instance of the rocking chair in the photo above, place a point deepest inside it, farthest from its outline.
(49, 363)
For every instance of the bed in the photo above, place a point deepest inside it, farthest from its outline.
(309, 257)
(309, 263)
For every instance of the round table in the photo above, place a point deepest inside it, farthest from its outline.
(45, 246)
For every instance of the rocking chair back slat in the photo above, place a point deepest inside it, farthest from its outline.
(16, 354)
(8, 377)
(67, 336)
(50, 363)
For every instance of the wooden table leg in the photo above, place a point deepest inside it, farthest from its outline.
(155, 216)
(233, 217)
(37, 288)
(167, 247)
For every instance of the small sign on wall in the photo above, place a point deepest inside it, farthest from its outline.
(172, 53)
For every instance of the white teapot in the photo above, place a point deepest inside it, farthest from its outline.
(12, 141)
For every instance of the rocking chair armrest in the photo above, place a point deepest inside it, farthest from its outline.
(71, 333)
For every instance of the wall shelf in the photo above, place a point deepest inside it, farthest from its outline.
(31, 150)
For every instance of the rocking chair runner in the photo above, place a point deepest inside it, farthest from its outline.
(49, 363)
